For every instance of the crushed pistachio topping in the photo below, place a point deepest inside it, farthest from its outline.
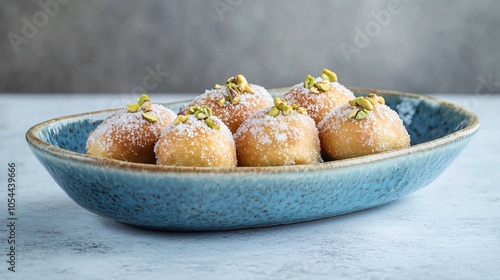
(235, 86)
(328, 75)
(142, 99)
(274, 111)
(203, 113)
(280, 105)
(321, 86)
(212, 123)
(132, 107)
(181, 118)
(301, 110)
(221, 101)
(233, 93)
(149, 117)
(144, 103)
(309, 82)
(364, 104)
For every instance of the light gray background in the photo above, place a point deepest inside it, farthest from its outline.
(108, 45)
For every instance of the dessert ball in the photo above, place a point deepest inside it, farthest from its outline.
(130, 134)
(196, 138)
(364, 126)
(235, 101)
(280, 135)
(319, 95)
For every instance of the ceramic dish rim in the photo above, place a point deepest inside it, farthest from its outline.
(35, 141)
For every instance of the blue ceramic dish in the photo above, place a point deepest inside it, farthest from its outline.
(192, 199)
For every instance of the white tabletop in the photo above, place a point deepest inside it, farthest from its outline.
(448, 230)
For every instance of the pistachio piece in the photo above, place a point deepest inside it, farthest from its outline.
(181, 119)
(146, 106)
(142, 99)
(367, 103)
(362, 114)
(279, 102)
(274, 111)
(207, 110)
(149, 117)
(309, 82)
(280, 105)
(314, 90)
(364, 103)
(328, 75)
(233, 97)
(212, 123)
(132, 107)
(236, 100)
(193, 109)
(233, 93)
(323, 86)
(352, 114)
(241, 88)
(287, 110)
(177, 120)
(373, 101)
(248, 89)
(221, 101)
(240, 80)
(301, 110)
(200, 115)
(217, 86)
(381, 100)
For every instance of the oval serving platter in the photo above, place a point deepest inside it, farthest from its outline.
(205, 199)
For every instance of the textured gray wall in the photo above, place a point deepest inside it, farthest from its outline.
(118, 45)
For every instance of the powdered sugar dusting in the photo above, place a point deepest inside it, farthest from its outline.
(281, 137)
(318, 105)
(194, 143)
(193, 127)
(376, 133)
(280, 140)
(125, 131)
(234, 115)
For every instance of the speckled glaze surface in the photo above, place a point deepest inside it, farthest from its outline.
(193, 199)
